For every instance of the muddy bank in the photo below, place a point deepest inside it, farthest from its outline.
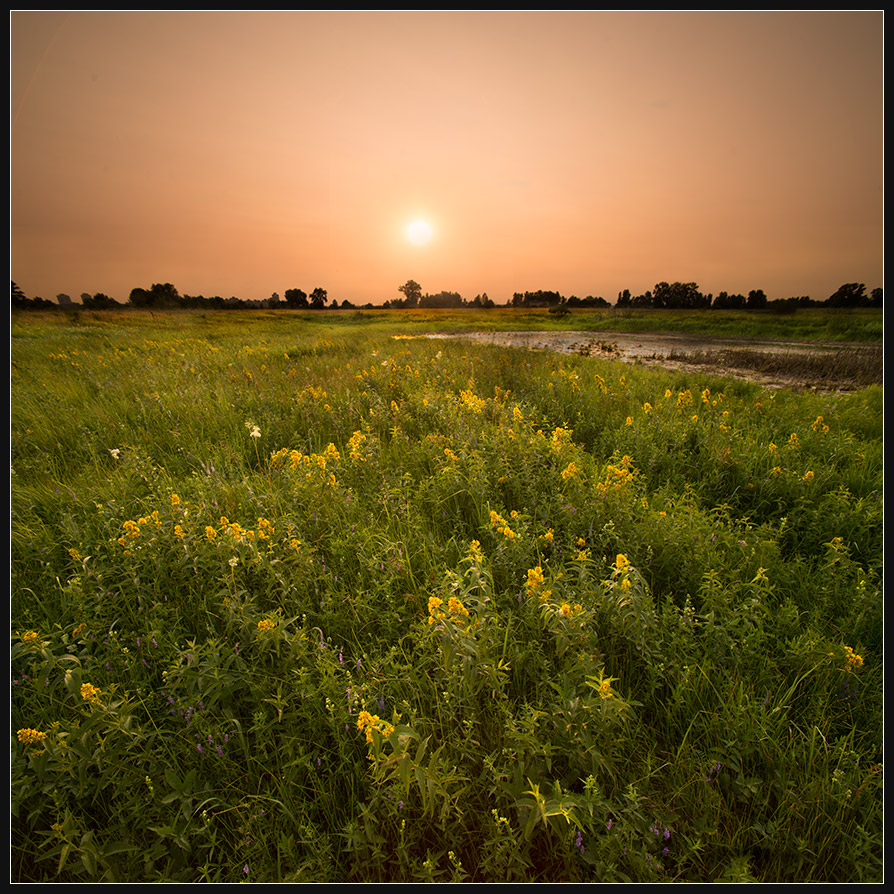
(815, 365)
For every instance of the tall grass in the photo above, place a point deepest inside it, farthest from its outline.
(303, 602)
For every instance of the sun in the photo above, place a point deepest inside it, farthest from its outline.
(419, 232)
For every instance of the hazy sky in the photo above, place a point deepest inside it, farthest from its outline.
(246, 153)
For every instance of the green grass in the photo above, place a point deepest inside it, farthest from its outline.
(293, 599)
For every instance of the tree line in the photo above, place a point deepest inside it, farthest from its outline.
(671, 296)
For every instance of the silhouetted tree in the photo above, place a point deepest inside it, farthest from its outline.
(756, 300)
(412, 292)
(296, 298)
(99, 301)
(318, 298)
(678, 295)
(851, 294)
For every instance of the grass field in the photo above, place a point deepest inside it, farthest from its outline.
(296, 597)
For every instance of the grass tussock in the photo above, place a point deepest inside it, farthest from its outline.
(304, 602)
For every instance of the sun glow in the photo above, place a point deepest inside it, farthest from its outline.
(419, 232)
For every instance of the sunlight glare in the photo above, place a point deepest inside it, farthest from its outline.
(419, 232)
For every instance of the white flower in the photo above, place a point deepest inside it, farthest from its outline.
(115, 452)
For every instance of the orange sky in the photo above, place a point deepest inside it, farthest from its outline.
(582, 152)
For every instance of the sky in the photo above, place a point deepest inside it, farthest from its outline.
(584, 152)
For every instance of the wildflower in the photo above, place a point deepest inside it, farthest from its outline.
(475, 551)
(175, 501)
(367, 722)
(210, 533)
(90, 693)
(605, 688)
(570, 471)
(75, 555)
(31, 638)
(253, 430)
(265, 625)
(807, 476)
(31, 736)
(622, 563)
(115, 452)
(535, 579)
(548, 536)
(455, 607)
(647, 407)
(853, 659)
(434, 609)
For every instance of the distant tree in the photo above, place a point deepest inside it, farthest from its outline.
(442, 299)
(851, 294)
(756, 300)
(160, 295)
(318, 298)
(412, 292)
(876, 298)
(99, 301)
(273, 300)
(17, 297)
(678, 295)
(63, 300)
(296, 298)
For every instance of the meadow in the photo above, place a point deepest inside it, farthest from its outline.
(307, 597)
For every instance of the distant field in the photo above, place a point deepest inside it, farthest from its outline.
(297, 598)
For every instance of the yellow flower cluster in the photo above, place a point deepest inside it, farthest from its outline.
(31, 736)
(455, 610)
(560, 439)
(616, 477)
(309, 462)
(265, 625)
(820, 426)
(90, 693)
(367, 722)
(355, 447)
(570, 471)
(31, 638)
(501, 525)
(605, 689)
(853, 659)
(684, 398)
(472, 401)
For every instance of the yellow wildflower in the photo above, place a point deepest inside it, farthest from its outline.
(455, 607)
(367, 722)
(434, 609)
(265, 625)
(570, 471)
(853, 659)
(90, 693)
(210, 533)
(30, 736)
